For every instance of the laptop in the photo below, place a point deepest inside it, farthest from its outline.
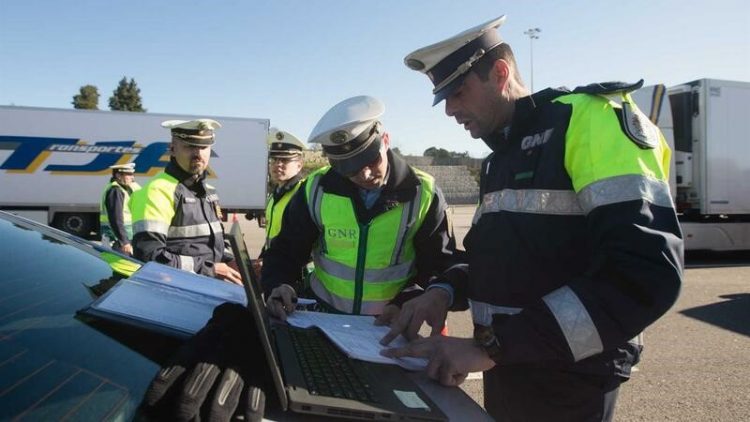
(348, 388)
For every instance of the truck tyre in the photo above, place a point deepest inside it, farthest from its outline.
(77, 224)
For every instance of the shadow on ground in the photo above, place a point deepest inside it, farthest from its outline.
(732, 314)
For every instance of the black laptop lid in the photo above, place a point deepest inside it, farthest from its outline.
(257, 309)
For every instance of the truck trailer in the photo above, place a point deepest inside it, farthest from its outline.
(54, 163)
(707, 123)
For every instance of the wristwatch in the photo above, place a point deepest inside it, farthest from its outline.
(484, 337)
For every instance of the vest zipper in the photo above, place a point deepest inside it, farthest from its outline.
(359, 275)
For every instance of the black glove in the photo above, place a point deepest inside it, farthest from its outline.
(214, 375)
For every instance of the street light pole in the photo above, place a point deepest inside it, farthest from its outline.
(533, 34)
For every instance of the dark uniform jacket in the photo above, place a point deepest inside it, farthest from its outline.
(291, 249)
(574, 272)
(176, 222)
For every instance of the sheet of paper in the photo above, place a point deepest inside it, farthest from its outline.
(179, 279)
(356, 335)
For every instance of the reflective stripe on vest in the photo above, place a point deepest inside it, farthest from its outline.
(196, 230)
(612, 190)
(360, 268)
(275, 212)
(155, 226)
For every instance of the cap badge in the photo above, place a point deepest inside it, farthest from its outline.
(338, 137)
(279, 135)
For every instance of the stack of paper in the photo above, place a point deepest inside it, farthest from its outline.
(161, 298)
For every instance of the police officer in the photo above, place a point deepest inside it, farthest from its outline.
(176, 216)
(284, 167)
(377, 228)
(575, 247)
(115, 220)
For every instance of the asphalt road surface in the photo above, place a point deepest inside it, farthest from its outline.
(696, 363)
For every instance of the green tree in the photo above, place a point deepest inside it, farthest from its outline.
(127, 96)
(444, 153)
(436, 152)
(87, 99)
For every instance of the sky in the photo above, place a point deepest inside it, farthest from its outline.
(291, 60)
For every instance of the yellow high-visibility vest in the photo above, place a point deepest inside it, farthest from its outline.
(359, 267)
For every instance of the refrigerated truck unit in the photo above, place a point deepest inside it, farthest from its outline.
(54, 163)
(707, 122)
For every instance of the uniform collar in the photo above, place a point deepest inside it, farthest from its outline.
(524, 108)
(289, 185)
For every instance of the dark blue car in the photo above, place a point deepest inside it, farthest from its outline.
(56, 363)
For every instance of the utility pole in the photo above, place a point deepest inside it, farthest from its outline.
(533, 34)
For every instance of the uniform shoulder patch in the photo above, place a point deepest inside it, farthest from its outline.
(638, 127)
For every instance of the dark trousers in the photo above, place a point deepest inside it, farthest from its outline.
(527, 393)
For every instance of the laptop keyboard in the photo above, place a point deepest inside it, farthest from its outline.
(327, 371)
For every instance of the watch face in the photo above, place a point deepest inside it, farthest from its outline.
(485, 338)
(483, 334)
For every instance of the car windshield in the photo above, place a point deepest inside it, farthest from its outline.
(55, 363)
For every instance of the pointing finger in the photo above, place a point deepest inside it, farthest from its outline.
(397, 327)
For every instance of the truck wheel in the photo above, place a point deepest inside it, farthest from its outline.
(77, 224)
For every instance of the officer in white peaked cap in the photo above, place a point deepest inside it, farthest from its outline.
(115, 221)
(370, 201)
(575, 247)
(177, 218)
(284, 168)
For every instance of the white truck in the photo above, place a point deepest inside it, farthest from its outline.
(54, 163)
(707, 123)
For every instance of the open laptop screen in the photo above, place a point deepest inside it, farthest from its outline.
(257, 308)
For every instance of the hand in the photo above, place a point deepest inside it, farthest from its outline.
(127, 249)
(257, 266)
(431, 307)
(225, 272)
(389, 315)
(450, 358)
(214, 375)
(281, 301)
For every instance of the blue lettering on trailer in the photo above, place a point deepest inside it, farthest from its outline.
(30, 152)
